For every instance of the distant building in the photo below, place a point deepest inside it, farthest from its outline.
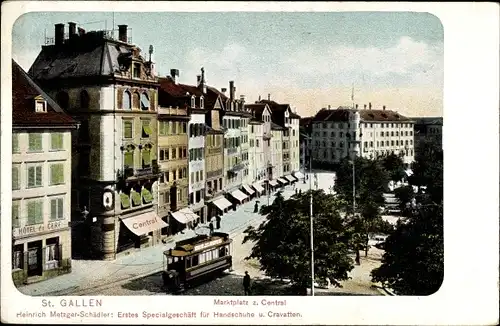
(428, 129)
(260, 130)
(41, 182)
(341, 132)
(112, 89)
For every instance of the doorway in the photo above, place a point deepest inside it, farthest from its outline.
(35, 262)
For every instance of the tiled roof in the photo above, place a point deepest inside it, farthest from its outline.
(275, 126)
(24, 91)
(256, 109)
(294, 115)
(277, 111)
(343, 114)
(172, 94)
(428, 120)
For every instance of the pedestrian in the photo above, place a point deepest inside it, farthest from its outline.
(217, 221)
(256, 207)
(300, 191)
(246, 283)
(211, 227)
(296, 191)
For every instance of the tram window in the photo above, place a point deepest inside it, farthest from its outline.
(215, 254)
(188, 262)
(222, 251)
(202, 258)
(194, 260)
(170, 260)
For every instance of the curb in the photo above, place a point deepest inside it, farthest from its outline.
(383, 290)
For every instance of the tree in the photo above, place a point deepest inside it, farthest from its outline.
(370, 181)
(404, 195)
(413, 262)
(282, 241)
(395, 166)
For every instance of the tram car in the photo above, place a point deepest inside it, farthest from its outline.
(194, 258)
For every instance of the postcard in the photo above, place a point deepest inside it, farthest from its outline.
(249, 163)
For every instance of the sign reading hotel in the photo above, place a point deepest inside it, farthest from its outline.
(37, 228)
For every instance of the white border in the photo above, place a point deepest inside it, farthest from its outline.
(469, 294)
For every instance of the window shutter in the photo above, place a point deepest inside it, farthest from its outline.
(53, 209)
(39, 212)
(146, 157)
(15, 177)
(31, 176)
(53, 174)
(60, 208)
(128, 159)
(31, 213)
(15, 214)
(38, 173)
(15, 143)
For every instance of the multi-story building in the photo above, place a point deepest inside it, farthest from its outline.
(427, 129)
(41, 182)
(367, 133)
(233, 164)
(193, 100)
(305, 130)
(277, 141)
(173, 186)
(283, 117)
(260, 132)
(108, 86)
(215, 201)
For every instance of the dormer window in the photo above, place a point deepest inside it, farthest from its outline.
(137, 70)
(40, 106)
(193, 102)
(202, 104)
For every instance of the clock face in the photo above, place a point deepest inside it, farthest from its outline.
(108, 200)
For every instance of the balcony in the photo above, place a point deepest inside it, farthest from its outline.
(140, 173)
(214, 151)
(212, 174)
(172, 111)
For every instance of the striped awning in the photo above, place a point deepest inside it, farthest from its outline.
(258, 187)
(238, 195)
(273, 183)
(290, 178)
(283, 181)
(298, 175)
(185, 215)
(249, 190)
(222, 203)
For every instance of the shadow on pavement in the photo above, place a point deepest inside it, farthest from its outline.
(227, 284)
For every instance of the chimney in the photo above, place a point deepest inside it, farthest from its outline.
(198, 80)
(329, 106)
(369, 105)
(203, 84)
(231, 90)
(259, 98)
(81, 31)
(122, 33)
(59, 34)
(72, 29)
(383, 107)
(268, 97)
(223, 90)
(364, 106)
(174, 73)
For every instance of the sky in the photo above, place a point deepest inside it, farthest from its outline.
(307, 59)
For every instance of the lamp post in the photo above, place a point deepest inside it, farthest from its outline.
(311, 215)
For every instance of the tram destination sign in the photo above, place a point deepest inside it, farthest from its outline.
(204, 245)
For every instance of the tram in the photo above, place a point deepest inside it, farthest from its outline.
(194, 258)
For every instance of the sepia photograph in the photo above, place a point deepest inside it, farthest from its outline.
(237, 155)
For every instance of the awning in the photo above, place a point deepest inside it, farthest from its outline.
(248, 189)
(238, 195)
(283, 181)
(222, 203)
(184, 216)
(258, 187)
(298, 175)
(273, 183)
(290, 178)
(144, 223)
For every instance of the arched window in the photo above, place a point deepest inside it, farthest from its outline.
(84, 99)
(127, 100)
(135, 100)
(62, 99)
(144, 102)
(193, 102)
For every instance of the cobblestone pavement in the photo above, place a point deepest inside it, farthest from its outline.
(139, 273)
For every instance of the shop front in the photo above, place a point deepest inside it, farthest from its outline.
(248, 190)
(238, 197)
(290, 178)
(218, 206)
(139, 230)
(258, 188)
(184, 217)
(282, 182)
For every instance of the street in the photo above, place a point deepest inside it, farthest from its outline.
(140, 273)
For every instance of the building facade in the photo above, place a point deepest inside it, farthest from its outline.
(428, 129)
(41, 183)
(105, 83)
(173, 184)
(367, 133)
(295, 142)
